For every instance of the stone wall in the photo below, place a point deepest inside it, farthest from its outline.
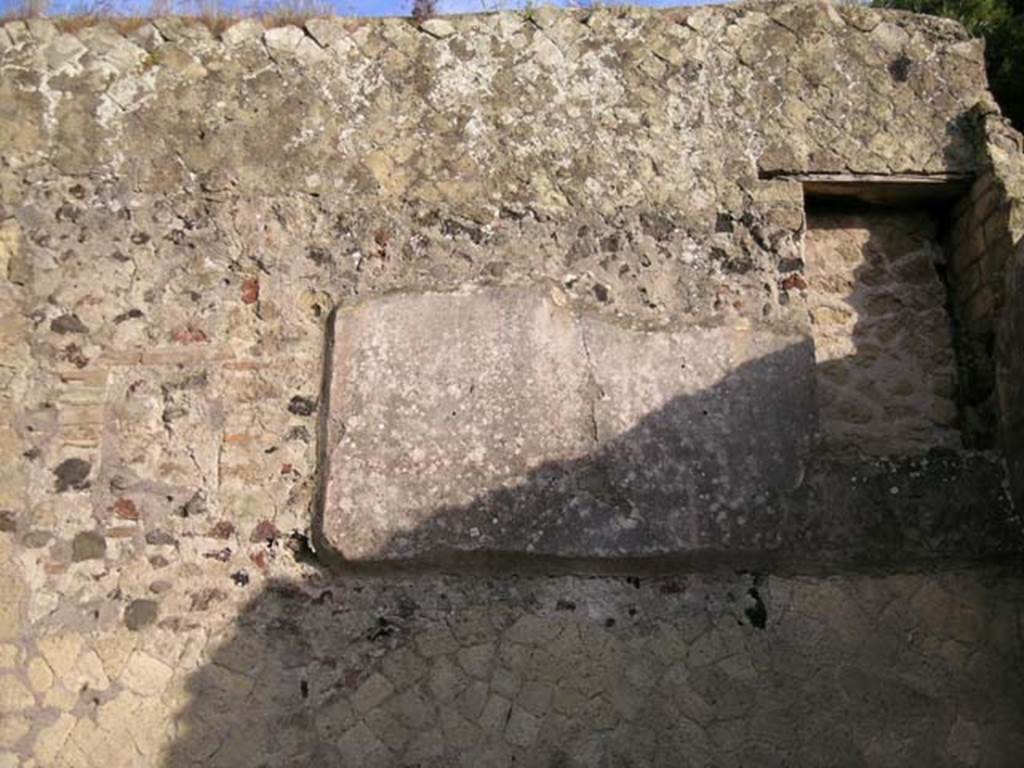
(985, 244)
(982, 243)
(882, 335)
(181, 212)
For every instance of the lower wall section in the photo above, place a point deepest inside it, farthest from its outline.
(901, 670)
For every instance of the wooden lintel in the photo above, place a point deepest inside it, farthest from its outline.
(896, 190)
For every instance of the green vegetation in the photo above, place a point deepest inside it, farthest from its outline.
(1001, 23)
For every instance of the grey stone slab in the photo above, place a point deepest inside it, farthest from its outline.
(439, 399)
(501, 421)
(707, 419)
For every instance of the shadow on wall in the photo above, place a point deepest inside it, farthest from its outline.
(733, 469)
(691, 471)
(1011, 383)
(356, 671)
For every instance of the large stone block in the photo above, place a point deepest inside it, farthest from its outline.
(503, 421)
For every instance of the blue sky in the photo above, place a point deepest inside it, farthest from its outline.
(342, 7)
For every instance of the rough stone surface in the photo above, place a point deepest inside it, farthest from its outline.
(88, 545)
(181, 212)
(986, 243)
(882, 336)
(911, 670)
(140, 614)
(498, 420)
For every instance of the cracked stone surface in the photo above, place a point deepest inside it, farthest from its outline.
(181, 212)
(498, 420)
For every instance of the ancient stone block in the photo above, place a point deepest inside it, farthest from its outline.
(181, 207)
(500, 420)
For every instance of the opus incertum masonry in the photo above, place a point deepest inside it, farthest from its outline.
(609, 387)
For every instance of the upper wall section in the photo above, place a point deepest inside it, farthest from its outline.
(547, 110)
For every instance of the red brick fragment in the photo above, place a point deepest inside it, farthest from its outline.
(264, 531)
(125, 509)
(222, 530)
(251, 291)
(189, 335)
(259, 558)
(794, 282)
